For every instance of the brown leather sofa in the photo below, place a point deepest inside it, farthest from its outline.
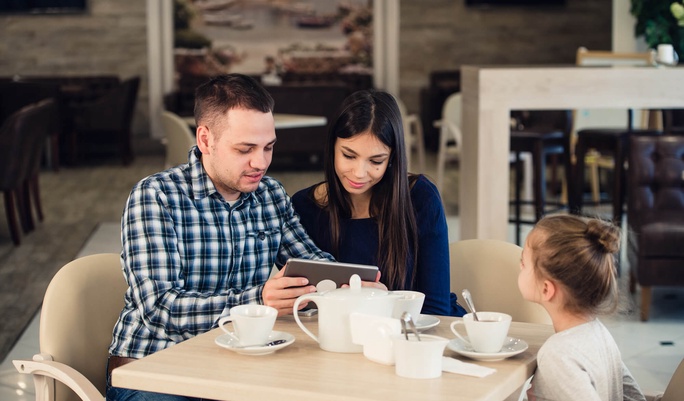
(655, 214)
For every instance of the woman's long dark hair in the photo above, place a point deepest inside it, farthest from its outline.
(378, 113)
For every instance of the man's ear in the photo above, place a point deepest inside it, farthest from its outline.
(203, 138)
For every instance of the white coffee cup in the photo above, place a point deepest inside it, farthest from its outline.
(253, 324)
(410, 301)
(419, 359)
(665, 54)
(486, 335)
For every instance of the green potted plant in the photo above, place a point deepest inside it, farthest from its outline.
(659, 22)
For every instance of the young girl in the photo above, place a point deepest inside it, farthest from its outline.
(568, 266)
(370, 210)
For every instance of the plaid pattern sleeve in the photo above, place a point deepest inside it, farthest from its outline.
(188, 256)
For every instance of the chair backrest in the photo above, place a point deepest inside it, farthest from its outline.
(179, 139)
(610, 118)
(675, 389)
(42, 122)
(655, 176)
(81, 306)
(489, 270)
(12, 143)
(451, 118)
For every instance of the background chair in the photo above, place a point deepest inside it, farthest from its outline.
(413, 136)
(13, 149)
(673, 121)
(179, 139)
(674, 390)
(601, 141)
(655, 214)
(450, 135)
(80, 308)
(105, 121)
(540, 134)
(489, 269)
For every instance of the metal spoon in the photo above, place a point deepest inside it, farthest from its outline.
(469, 302)
(269, 344)
(406, 318)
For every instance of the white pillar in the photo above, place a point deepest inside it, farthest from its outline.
(386, 45)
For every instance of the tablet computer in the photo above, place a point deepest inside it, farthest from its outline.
(319, 270)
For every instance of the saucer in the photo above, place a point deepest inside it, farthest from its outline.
(512, 346)
(227, 341)
(425, 322)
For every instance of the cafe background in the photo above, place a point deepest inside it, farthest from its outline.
(434, 35)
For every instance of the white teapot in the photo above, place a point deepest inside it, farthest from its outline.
(334, 308)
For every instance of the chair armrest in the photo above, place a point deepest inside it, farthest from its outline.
(64, 373)
(437, 123)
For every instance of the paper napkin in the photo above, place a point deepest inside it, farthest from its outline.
(453, 365)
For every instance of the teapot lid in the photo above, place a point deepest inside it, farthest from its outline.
(355, 290)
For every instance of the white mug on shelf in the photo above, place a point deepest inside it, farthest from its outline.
(666, 54)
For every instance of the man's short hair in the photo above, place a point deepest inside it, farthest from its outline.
(230, 91)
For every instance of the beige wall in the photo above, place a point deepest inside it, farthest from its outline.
(434, 35)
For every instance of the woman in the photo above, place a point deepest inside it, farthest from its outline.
(369, 210)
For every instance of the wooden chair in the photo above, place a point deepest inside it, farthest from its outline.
(179, 139)
(413, 137)
(603, 143)
(450, 135)
(489, 269)
(80, 308)
(106, 120)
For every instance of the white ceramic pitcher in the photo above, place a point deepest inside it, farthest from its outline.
(334, 308)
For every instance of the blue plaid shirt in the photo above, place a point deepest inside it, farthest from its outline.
(188, 256)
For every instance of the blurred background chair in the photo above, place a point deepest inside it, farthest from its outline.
(413, 137)
(450, 135)
(601, 137)
(15, 95)
(80, 308)
(675, 388)
(655, 214)
(673, 121)
(106, 122)
(542, 134)
(179, 139)
(41, 123)
(13, 168)
(489, 269)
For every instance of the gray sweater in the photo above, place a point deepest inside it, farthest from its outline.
(582, 363)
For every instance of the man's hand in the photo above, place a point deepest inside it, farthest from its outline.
(282, 292)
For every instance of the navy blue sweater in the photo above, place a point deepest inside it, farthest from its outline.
(359, 243)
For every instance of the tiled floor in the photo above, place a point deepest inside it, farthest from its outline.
(651, 350)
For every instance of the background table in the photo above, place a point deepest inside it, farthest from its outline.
(303, 372)
(489, 95)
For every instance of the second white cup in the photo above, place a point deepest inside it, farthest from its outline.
(253, 324)
(410, 301)
(419, 359)
(486, 335)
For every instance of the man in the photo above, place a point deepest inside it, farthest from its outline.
(202, 237)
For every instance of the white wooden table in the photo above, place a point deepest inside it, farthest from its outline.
(303, 372)
(490, 93)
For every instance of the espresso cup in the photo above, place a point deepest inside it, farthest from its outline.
(409, 301)
(486, 335)
(419, 359)
(252, 324)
